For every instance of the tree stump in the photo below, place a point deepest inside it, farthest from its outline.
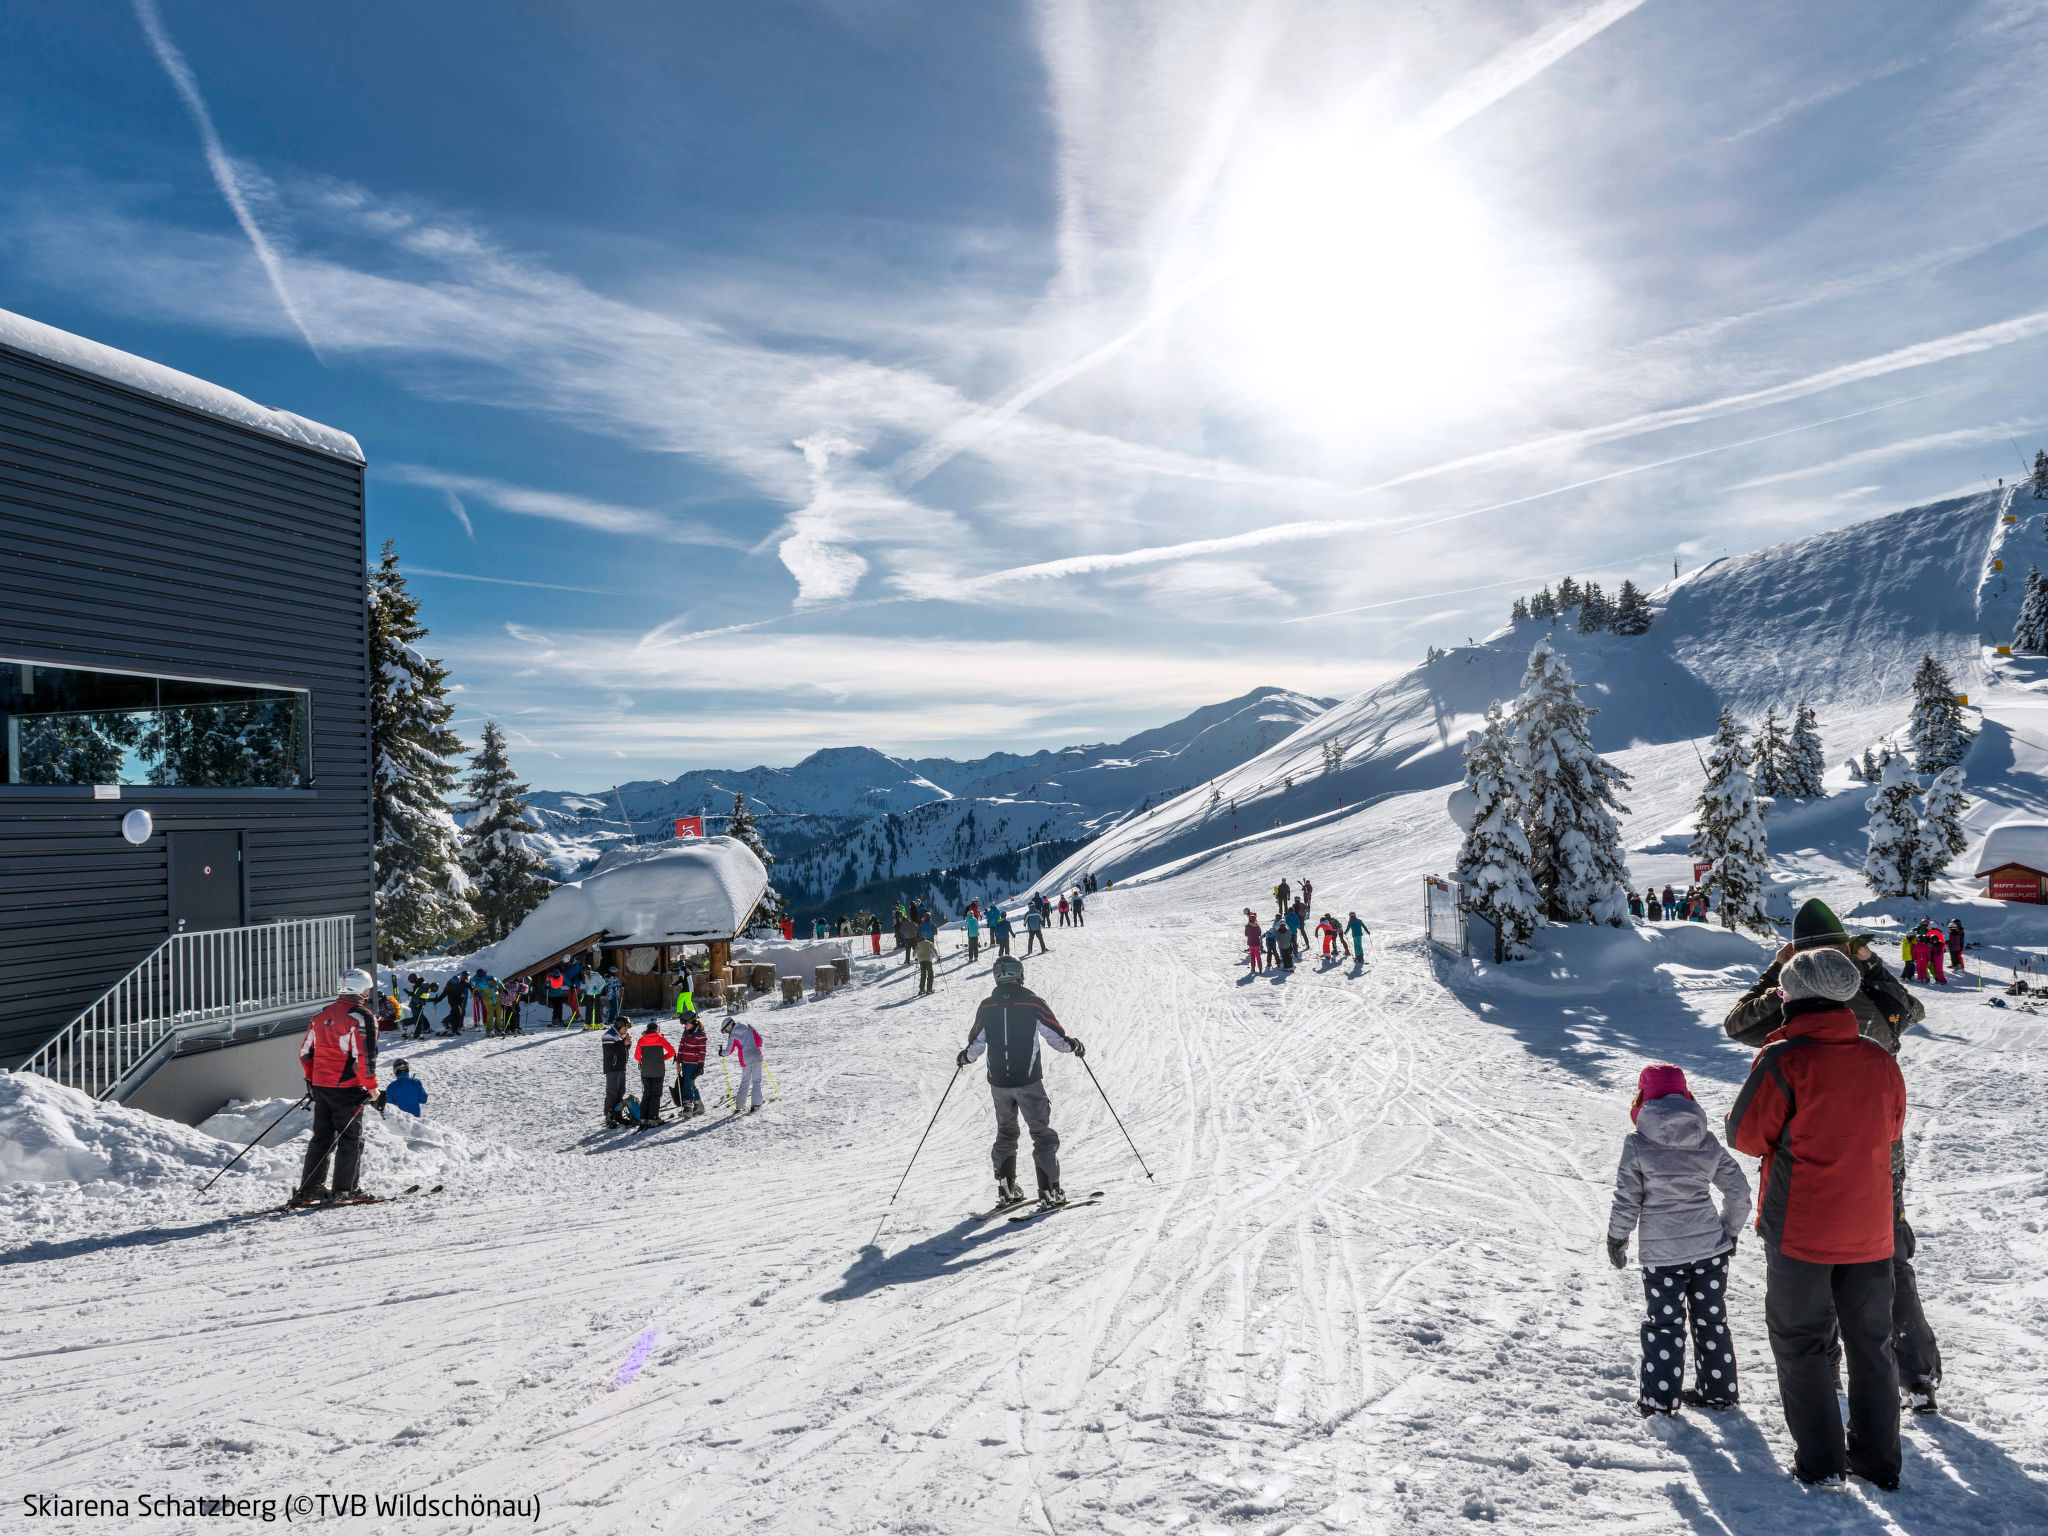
(792, 989)
(842, 970)
(826, 980)
(763, 978)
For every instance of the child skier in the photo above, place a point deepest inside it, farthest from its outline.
(1358, 931)
(744, 1041)
(406, 1091)
(1253, 939)
(1955, 944)
(1671, 1164)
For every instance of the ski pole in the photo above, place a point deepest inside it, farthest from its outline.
(259, 1136)
(771, 1079)
(1114, 1115)
(725, 1072)
(913, 1156)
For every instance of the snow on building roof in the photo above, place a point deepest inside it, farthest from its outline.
(681, 892)
(2015, 842)
(139, 373)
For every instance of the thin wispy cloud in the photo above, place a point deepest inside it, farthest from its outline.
(560, 506)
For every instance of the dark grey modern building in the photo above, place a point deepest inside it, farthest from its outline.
(183, 635)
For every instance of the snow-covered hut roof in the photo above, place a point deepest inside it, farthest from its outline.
(139, 373)
(2015, 842)
(682, 892)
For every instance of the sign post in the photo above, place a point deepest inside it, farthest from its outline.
(689, 826)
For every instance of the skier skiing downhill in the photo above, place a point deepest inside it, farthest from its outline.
(1009, 1025)
(340, 1081)
(743, 1041)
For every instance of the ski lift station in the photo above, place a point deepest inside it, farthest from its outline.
(2014, 863)
(185, 846)
(646, 909)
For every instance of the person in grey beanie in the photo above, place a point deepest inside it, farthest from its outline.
(1671, 1164)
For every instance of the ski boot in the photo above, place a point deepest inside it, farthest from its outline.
(305, 1197)
(1920, 1394)
(1693, 1397)
(1051, 1198)
(1008, 1193)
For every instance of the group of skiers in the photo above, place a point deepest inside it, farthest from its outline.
(650, 1053)
(1286, 939)
(1824, 1107)
(1671, 907)
(1922, 949)
(499, 1005)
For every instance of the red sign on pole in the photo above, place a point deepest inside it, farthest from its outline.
(689, 826)
(1700, 871)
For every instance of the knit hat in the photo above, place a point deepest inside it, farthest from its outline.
(1820, 973)
(1658, 1081)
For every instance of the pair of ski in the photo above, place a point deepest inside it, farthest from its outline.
(1036, 1210)
(411, 1191)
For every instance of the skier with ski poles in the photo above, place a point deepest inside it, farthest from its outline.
(999, 930)
(340, 1081)
(616, 1045)
(927, 959)
(743, 1041)
(654, 1053)
(689, 1065)
(1009, 1026)
(1034, 930)
(973, 932)
(1358, 931)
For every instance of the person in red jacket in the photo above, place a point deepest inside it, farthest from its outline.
(1822, 1107)
(340, 1079)
(654, 1053)
(690, 1064)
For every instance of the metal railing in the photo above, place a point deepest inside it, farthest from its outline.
(198, 982)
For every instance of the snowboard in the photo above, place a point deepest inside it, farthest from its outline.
(1094, 1198)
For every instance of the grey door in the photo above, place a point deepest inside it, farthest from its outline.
(206, 880)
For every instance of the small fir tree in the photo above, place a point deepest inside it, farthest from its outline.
(745, 826)
(1595, 612)
(1493, 862)
(1632, 613)
(1804, 766)
(1568, 595)
(1892, 862)
(1520, 611)
(1941, 827)
(421, 884)
(1570, 807)
(2030, 634)
(1543, 605)
(1728, 831)
(1772, 754)
(1938, 735)
(2041, 474)
(507, 878)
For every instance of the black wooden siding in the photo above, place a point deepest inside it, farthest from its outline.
(139, 536)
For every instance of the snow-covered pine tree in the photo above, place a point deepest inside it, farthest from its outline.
(507, 878)
(1938, 734)
(421, 884)
(1632, 613)
(1493, 862)
(1595, 612)
(1520, 611)
(1804, 764)
(1772, 755)
(2041, 474)
(2030, 634)
(1892, 861)
(746, 827)
(1728, 830)
(1568, 595)
(1941, 827)
(1570, 807)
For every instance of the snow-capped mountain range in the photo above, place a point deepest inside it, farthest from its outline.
(845, 817)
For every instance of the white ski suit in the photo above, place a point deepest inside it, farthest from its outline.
(743, 1042)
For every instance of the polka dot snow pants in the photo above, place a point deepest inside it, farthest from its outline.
(1672, 1292)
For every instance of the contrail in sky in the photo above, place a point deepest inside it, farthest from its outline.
(217, 160)
(1498, 78)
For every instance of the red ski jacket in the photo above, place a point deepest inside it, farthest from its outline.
(652, 1048)
(1822, 1107)
(334, 1053)
(690, 1048)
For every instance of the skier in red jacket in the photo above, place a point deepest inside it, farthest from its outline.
(1822, 1107)
(340, 1080)
(690, 1064)
(654, 1053)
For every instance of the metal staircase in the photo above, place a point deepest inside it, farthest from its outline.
(197, 984)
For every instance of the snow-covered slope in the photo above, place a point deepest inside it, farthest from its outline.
(1840, 618)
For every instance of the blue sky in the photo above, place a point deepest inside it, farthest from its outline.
(940, 377)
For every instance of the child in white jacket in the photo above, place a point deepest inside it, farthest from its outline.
(1671, 1164)
(743, 1041)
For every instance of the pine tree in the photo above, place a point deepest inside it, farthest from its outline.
(1543, 605)
(1570, 807)
(746, 827)
(1520, 611)
(1728, 831)
(1493, 863)
(1632, 613)
(507, 878)
(1568, 595)
(2041, 474)
(420, 880)
(1892, 862)
(1595, 613)
(1772, 755)
(1941, 827)
(1938, 734)
(2030, 634)
(1804, 765)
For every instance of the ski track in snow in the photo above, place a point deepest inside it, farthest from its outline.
(1364, 1291)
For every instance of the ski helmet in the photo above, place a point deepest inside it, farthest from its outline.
(358, 982)
(1009, 968)
(402, 1067)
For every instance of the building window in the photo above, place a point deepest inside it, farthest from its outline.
(67, 726)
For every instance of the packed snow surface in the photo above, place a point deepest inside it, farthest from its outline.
(138, 373)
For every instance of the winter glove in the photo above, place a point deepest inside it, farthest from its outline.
(1617, 1252)
(961, 1059)
(1079, 1048)
(1909, 1244)
(380, 1101)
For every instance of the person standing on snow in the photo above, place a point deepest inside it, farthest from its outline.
(1308, 895)
(1282, 894)
(1358, 931)
(927, 958)
(973, 933)
(1670, 905)
(1671, 1165)
(1253, 938)
(617, 1046)
(455, 993)
(1955, 944)
(875, 933)
(999, 930)
(1080, 911)
(1282, 936)
(1034, 930)
(743, 1041)
(654, 1053)
(690, 1047)
(1010, 1026)
(335, 1058)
